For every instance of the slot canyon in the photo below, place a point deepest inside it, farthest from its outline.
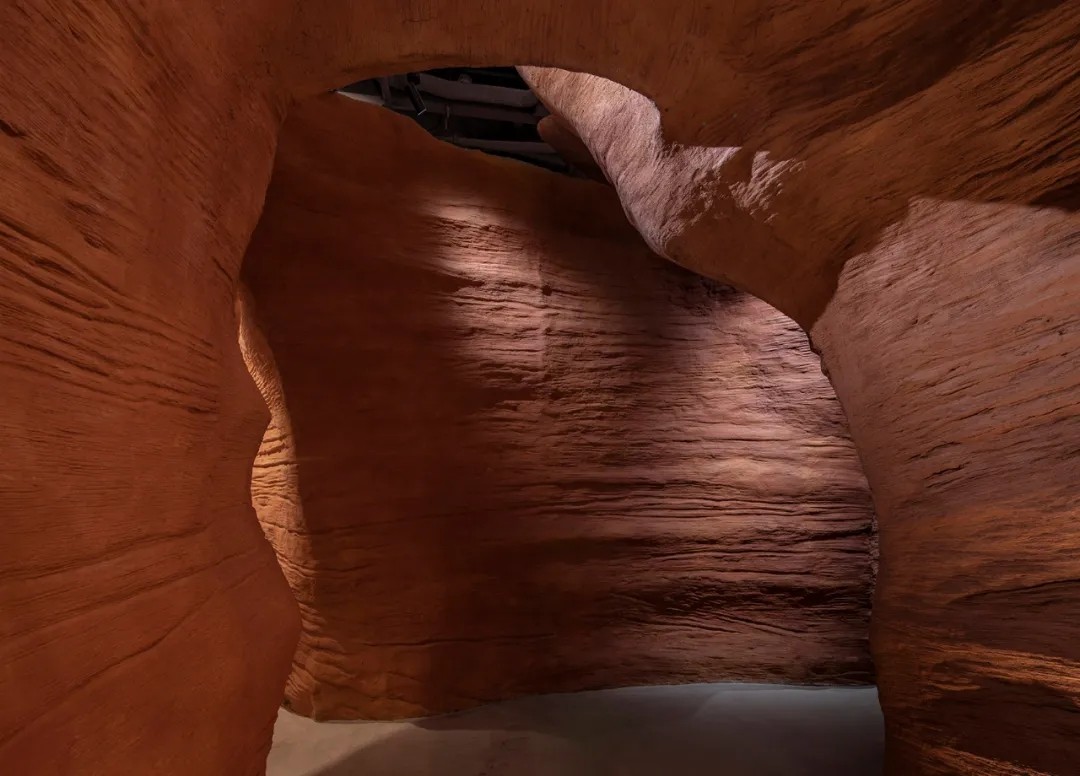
(755, 365)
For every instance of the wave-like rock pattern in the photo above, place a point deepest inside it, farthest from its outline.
(519, 453)
(141, 613)
(145, 627)
(953, 349)
(932, 252)
(780, 215)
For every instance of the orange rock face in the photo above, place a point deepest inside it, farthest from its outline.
(525, 454)
(145, 627)
(779, 208)
(882, 165)
(950, 334)
(953, 349)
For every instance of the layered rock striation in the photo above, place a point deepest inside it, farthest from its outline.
(518, 453)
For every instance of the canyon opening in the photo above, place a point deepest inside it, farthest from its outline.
(699, 396)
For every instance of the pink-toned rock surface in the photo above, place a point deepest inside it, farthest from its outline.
(524, 454)
(951, 340)
(778, 215)
(953, 347)
(144, 627)
(716, 211)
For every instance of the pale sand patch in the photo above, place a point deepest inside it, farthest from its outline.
(692, 730)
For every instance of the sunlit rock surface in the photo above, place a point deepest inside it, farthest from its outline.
(515, 452)
(935, 148)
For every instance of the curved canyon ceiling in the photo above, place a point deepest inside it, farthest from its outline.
(499, 446)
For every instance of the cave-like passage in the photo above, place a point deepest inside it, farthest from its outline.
(937, 276)
(598, 469)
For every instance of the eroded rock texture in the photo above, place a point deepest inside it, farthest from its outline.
(935, 245)
(141, 614)
(526, 454)
(953, 347)
(992, 118)
(145, 627)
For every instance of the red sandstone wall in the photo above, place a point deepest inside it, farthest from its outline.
(528, 456)
(951, 336)
(145, 627)
(138, 610)
(966, 407)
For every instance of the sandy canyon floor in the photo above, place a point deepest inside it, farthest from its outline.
(692, 730)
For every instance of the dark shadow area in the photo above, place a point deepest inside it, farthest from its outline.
(1046, 714)
(489, 109)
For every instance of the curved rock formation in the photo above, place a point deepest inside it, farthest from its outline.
(780, 217)
(527, 455)
(717, 211)
(145, 627)
(141, 611)
(951, 340)
(770, 72)
(953, 350)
